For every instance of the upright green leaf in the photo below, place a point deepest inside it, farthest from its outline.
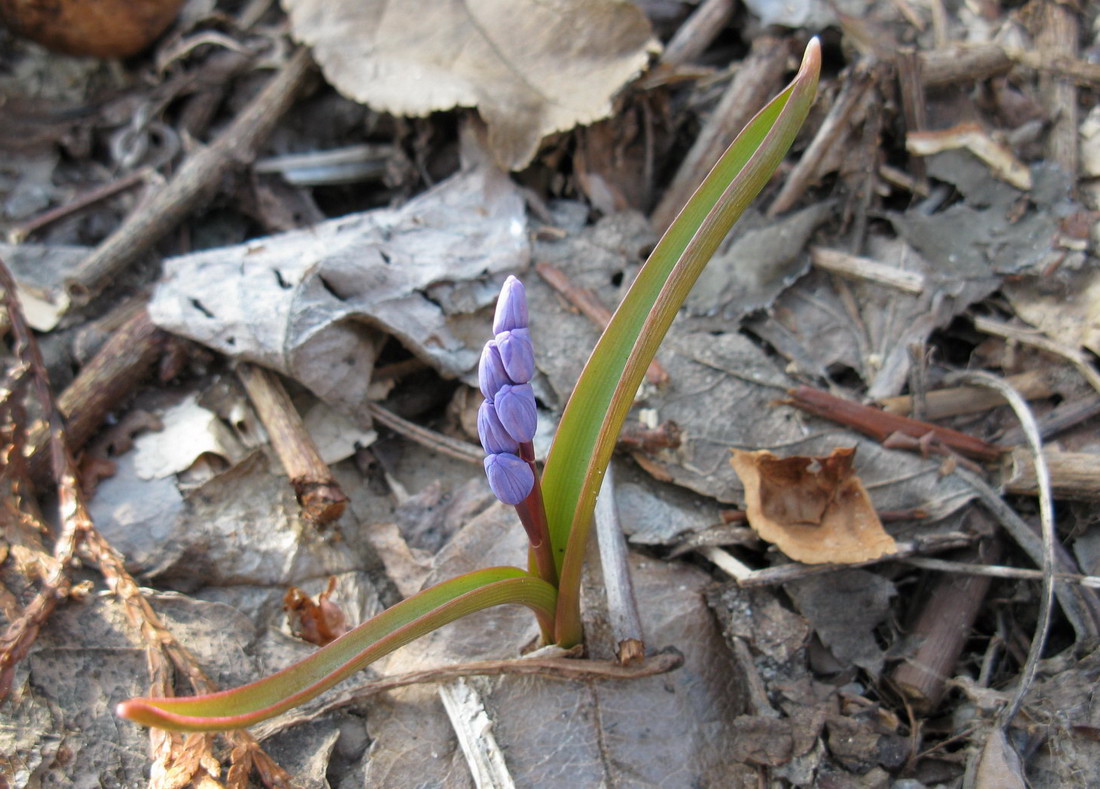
(598, 406)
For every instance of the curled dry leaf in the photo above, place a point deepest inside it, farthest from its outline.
(316, 622)
(815, 510)
(530, 68)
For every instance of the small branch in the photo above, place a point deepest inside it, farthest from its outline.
(622, 608)
(757, 79)
(1001, 571)
(452, 447)
(103, 383)
(882, 426)
(958, 400)
(80, 535)
(855, 267)
(589, 305)
(317, 491)
(950, 65)
(942, 628)
(1073, 475)
(564, 669)
(199, 175)
(697, 32)
(474, 730)
(782, 573)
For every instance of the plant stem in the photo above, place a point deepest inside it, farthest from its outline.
(532, 514)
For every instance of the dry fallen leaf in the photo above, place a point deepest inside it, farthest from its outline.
(815, 510)
(316, 622)
(530, 68)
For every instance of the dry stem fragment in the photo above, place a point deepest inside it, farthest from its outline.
(317, 491)
(943, 628)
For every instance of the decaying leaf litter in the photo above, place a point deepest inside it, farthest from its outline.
(938, 215)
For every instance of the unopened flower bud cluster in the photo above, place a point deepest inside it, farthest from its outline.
(507, 419)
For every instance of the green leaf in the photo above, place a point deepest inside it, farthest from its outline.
(605, 391)
(375, 638)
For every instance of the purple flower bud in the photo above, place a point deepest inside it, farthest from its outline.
(510, 478)
(515, 407)
(511, 307)
(516, 354)
(491, 374)
(493, 435)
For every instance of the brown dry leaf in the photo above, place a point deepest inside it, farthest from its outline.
(530, 68)
(316, 622)
(815, 510)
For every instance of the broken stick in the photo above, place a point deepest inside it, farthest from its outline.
(317, 491)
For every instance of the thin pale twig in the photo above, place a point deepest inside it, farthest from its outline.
(564, 669)
(462, 450)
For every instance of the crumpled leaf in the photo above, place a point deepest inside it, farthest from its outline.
(844, 608)
(530, 68)
(815, 510)
(319, 622)
(305, 303)
(811, 323)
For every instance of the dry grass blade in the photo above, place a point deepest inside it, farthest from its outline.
(1046, 518)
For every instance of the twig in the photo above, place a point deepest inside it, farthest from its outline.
(474, 730)
(856, 267)
(1073, 475)
(882, 426)
(17, 639)
(103, 383)
(19, 233)
(438, 442)
(950, 65)
(592, 308)
(1058, 38)
(942, 628)
(1079, 605)
(780, 574)
(622, 608)
(756, 80)
(199, 174)
(697, 32)
(318, 493)
(1032, 337)
(564, 669)
(1001, 571)
(957, 400)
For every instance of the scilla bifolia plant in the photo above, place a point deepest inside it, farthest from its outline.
(556, 510)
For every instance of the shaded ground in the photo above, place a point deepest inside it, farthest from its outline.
(216, 233)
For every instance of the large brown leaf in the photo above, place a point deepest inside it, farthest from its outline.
(530, 68)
